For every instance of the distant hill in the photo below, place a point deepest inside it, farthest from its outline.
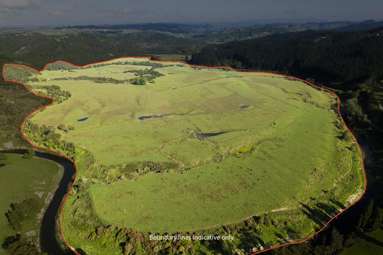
(221, 33)
(326, 56)
(365, 25)
(161, 27)
(39, 47)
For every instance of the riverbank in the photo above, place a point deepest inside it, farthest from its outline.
(35, 184)
(27, 185)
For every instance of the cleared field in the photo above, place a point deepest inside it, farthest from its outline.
(25, 183)
(188, 149)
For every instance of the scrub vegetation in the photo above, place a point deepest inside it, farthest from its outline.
(193, 150)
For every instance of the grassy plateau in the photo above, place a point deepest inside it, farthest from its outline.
(164, 147)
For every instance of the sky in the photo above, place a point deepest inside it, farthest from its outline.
(82, 12)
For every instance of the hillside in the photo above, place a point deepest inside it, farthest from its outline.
(339, 58)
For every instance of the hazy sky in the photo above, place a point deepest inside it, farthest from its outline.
(63, 12)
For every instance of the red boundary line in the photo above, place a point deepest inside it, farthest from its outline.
(69, 189)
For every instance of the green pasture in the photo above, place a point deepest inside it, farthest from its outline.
(25, 179)
(240, 144)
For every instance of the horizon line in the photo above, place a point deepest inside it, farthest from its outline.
(191, 23)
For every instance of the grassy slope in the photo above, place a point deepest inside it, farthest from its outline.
(200, 198)
(22, 179)
(284, 148)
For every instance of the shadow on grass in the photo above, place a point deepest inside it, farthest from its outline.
(337, 203)
(370, 239)
(321, 213)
